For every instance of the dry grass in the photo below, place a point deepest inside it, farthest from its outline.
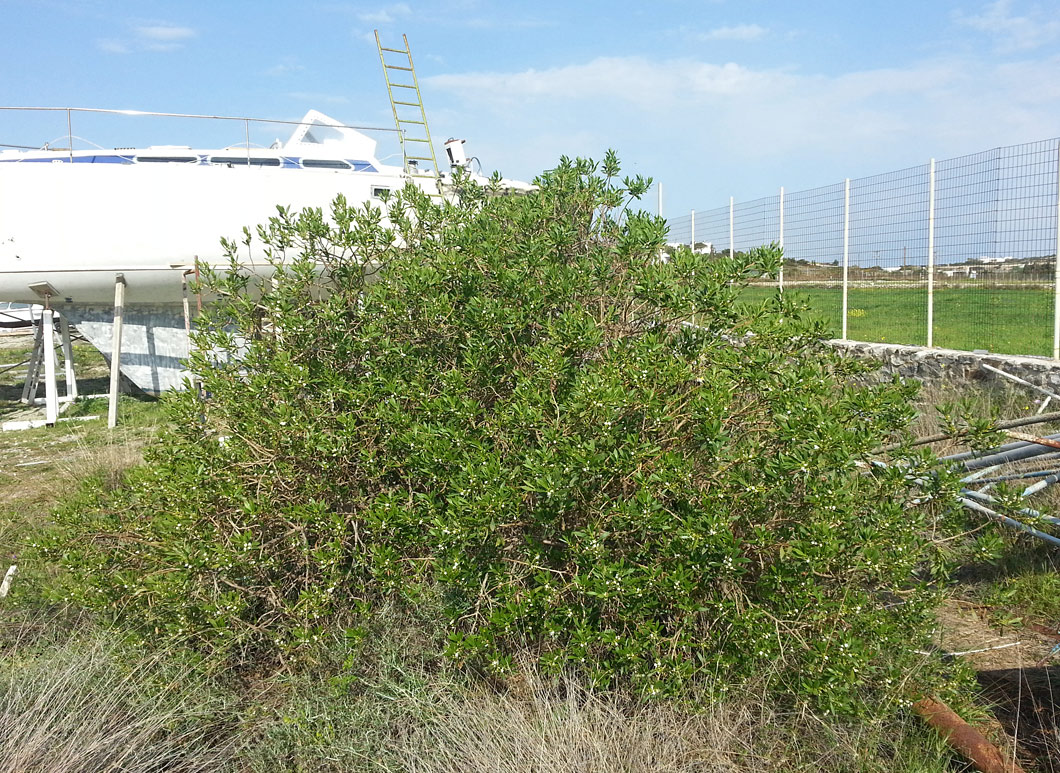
(559, 727)
(105, 458)
(79, 706)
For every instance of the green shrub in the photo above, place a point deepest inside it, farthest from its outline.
(503, 400)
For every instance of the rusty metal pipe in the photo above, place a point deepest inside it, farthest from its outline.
(1026, 436)
(964, 738)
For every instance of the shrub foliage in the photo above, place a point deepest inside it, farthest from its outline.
(518, 405)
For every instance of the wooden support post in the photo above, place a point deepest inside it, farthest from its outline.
(51, 386)
(187, 308)
(115, 349)
(68, 358)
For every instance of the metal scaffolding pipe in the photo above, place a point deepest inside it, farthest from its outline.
(1011, 452)
(984, 497)
(978, 508)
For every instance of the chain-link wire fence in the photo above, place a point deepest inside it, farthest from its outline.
(958, 253)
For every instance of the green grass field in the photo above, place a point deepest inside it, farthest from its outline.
(1002, 320)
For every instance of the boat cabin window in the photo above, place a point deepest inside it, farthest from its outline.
(167, 159)
(244, 161)
(380, 192)
(324, 163)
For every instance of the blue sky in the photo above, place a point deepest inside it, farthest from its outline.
(712, 98)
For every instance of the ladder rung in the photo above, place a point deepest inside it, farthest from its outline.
(402, 86)
(397, 67)
(394, 50)
(410, 104)
(415, 139)
(407, 120)
(418, 158)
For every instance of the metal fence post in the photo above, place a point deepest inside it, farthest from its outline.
(846, 252)
(931, 257)
(692, 239)
(781, 277)
(732, 234)
(1056, 266)
(660, 200)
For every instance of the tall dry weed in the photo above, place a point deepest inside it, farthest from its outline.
(79, 706)
(559, 727)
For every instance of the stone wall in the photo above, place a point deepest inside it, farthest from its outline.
(951, 364)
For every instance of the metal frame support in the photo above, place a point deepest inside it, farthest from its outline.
(692, 239)
(660, 209)
(846, 253)
(781, 276)
(732, 233)
(1056, 266)
(51, 390)
(68, 358)
(931, 257)
(115, 349)
(29, 389)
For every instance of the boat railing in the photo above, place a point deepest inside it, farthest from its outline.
(247, 121)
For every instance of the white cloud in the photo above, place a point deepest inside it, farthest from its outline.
(314, 98)
(112, 46)
(286, 66)
(484, 23)
(386, 15)
(150, 36)
(743, 32)
(706, 123)
(164, 32)
(636, 80)
(1014, 32)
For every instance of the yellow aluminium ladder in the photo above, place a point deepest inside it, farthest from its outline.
(407, 126)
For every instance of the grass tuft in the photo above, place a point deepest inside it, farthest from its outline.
(559, 726)
(82, 705)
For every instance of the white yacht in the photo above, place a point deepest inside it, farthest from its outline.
(71, 221)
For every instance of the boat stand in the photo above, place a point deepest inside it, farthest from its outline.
(44, 358)
(36, 359)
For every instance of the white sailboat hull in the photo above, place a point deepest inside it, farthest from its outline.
(75, 226)
(72, 228)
